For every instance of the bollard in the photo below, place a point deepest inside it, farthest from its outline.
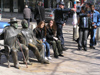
(75, 27)
(75, 33)
(98, 34)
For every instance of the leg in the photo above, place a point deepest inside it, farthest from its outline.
(80, 39)
(59, 47)
(60, 34)
(53, 43)
(47, 48)
(15, 58)
(37, 54)
(26, 53)
(85, 39)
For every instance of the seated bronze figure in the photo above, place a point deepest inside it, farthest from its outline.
(9, 35)
(27, 38)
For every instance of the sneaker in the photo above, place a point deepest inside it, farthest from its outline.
(46, 58)
(49, 58)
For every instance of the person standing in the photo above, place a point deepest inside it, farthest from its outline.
(39, 14)
(84, 26)
(94, 17)
(27, 14)
(60, 21)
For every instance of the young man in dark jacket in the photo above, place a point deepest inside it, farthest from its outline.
(39, 14)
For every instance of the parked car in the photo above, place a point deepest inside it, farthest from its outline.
(3, 25)
(49, 14)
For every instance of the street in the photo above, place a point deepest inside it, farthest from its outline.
(74, 62)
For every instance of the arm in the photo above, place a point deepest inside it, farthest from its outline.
(98, 19)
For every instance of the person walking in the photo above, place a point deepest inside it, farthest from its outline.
(84, 26)
(39, 14)
(95, 24)
(27, 14)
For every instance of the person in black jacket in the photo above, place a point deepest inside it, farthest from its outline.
(84, 26)
(59, 19)
(40, 32)
(39, 14)
(53, 40)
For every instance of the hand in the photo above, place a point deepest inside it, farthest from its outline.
(88, 15)
(55, 38)
(73, 9)
(64, 24)
(95, 26)
(92, 22)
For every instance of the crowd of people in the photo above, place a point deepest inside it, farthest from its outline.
(89, 21)
(40, 39)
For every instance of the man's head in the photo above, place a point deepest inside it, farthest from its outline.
(88, 5)
(39, 3)
(26, 6)
(83, 9)
(24, 23)
(92, 8)
(61, 4)
(13, 22)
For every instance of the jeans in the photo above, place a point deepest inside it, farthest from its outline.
(93, 37)
(47, 48)
(83, 33)
(60, 33)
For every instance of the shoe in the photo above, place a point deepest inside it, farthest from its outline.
(49, 58)
(56, 56)
(85, 49)
(64, 48)
(17, 66)
(46, 58)
(45, 62)
(79, 49)
(92, 47)
(61, 55)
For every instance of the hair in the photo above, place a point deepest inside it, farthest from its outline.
(89, 4)
(54, 27)
(26, 6)
(39, 25)
(83, 8)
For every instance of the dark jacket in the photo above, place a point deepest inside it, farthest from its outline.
(59, 15)
(85, 22)
(39, 33)
(50, 34)
(39, 13)
(27, 13)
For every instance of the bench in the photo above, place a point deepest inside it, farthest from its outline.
(6, 52)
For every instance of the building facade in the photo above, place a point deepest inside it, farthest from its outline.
(16, 5)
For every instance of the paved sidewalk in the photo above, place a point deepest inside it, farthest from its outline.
(73, 63)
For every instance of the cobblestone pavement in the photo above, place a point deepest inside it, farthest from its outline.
(73, 63)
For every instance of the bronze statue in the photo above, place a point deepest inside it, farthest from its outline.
(27, 37)
(9, 35)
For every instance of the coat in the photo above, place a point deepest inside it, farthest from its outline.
(39, 13)
(27, 13)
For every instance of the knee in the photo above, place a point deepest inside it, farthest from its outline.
(54, 42)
